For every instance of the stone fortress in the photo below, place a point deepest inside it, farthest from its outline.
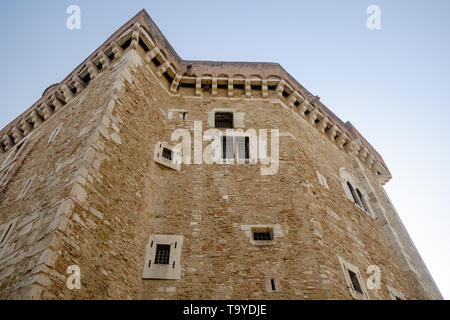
(91, 177)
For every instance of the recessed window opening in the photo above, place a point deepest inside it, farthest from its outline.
(99, 66)
(187, 85)
(307, 112)
(111, 56)
(227, 148)
(156, 62)
(272, 283)
(86, 79)
(261, 235)
(239, 86)
(273, 88)
(167, 154)
(353, 192)
(168, 77)
(243, 148)
(143, 45)
(256, 87)
(355, 281)
(363, 200)
(285, 94)
(224, 120)
(126, 44)
(222, 86)
(162, 254)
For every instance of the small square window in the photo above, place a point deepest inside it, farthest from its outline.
(167, 154)
(262, 236)
(162, 254)
(224, 120)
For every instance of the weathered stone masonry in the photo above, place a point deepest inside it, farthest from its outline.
(79, 186)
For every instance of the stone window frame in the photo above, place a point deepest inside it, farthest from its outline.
(3, 173)
(346, 267)
(395, 294)
(182, 114)
(322, 180)
(26, 187)
(171, 271)
(13, 153)
(238, 117)
(54, 133)
(275, 230)
(268, 284)
(253, 149)
(353, 196)
(177, 156)
(6, 230)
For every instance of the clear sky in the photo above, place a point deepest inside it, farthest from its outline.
(393, 84)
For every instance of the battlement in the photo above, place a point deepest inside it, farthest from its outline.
(197, 78)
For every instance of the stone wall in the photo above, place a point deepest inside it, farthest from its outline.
(97, 196)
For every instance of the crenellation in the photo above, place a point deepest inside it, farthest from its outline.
(248, 88)
(162, 68)
(7, 142)
(116, 50)
(46, 111)
(104, 60)
(230, 87)
(26, 127)
(67, 93)
(35, 119)
(151, 54)
(56, 102)
(17, 134)
(135, 35)
(92, 69)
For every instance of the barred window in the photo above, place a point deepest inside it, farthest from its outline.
(167, 154)
(224, 120)
(162, 254)
(262, 236)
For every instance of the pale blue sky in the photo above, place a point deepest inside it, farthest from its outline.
(392, 84)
